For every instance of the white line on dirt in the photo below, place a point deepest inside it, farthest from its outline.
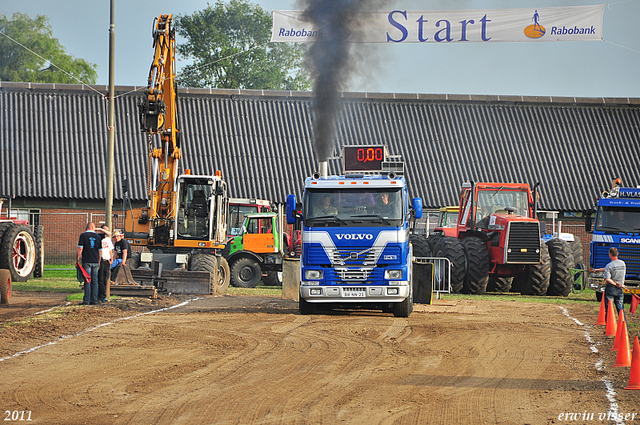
(611, 394)
(30, 350)
(52, 308)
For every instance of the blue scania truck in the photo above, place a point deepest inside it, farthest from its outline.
(617, 224)
(355, 235)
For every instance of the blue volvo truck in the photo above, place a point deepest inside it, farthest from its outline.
(355, 235)
(616, 224)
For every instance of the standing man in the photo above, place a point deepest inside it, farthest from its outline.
(614, 274)
(123, 249)
(104, 275)
(89, 248)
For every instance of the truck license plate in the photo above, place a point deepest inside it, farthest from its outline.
(353, 294)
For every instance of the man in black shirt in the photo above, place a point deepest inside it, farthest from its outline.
(89, 251)
(122, 248)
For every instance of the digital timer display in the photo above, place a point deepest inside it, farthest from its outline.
(363, 158)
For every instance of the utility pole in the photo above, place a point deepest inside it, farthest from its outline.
(111, 124)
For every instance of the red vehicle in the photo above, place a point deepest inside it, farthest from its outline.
(238, 210)
(498, 244)
(21, 250)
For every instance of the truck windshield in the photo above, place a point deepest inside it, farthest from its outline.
(353, 207)
(617, 219)
(497, 200)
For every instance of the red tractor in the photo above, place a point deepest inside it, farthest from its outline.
(21, 250)
(498, 246)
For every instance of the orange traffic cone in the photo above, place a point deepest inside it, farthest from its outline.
(624, 352)
(612, 326)
(616, 341)
(602, 315)
(634, 375)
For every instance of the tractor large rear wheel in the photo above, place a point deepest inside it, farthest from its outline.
(452, 249)
(420, 246)
(18, 252)
(577, 251)
(478, 264)
(536, 280)
(560, 282)
(5, 286)
(499, 284)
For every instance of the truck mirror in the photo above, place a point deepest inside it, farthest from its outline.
(587, 222)
(291, 209)
(417, 206)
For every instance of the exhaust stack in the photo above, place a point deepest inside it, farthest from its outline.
(324, 169)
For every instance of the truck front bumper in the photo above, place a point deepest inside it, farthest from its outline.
(355, 293)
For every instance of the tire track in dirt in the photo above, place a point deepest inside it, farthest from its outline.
(482, 363)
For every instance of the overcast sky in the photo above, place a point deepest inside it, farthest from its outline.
(607, 68)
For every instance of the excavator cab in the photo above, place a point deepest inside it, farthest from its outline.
(201, 208)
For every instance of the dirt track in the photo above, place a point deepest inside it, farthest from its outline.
(242, 359)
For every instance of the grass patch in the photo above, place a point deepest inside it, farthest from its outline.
(258, 290)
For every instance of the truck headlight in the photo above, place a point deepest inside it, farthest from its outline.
(393, 274)
(313, 274)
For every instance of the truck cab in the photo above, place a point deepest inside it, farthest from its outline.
(355, 241)
(616, 224)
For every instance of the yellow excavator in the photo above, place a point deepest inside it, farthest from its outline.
(183, 227)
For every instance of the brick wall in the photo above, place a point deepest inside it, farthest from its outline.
(62, 228)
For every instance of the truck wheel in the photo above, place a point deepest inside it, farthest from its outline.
(18, 253)
(536, 280)
(499, 284)
(404, 308)
(38, 234)
(478, 265)
(560, 282)
(209, 263)
(305, 307)
(452, 249)
(245, 273)
(420, 246)
(5, 286)
(272, 279)
(224, 277)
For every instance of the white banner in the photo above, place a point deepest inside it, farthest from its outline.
(576, 23)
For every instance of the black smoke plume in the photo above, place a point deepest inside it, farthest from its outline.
(330, 62)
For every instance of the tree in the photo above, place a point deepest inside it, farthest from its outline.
(21, 37)
(229, 45)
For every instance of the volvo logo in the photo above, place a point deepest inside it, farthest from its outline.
(354, 236)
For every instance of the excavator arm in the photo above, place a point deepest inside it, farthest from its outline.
(158, 116)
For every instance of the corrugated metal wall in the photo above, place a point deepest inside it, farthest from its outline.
(54, 142)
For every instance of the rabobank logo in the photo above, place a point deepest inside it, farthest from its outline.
(535, 30)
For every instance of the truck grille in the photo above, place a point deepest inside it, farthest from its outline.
(351, 275)
(630, 254)
(349, 256)
(523, 243)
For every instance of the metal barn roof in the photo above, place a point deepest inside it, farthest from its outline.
(54, 141)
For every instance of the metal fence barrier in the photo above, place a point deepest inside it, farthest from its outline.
(441, 273)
